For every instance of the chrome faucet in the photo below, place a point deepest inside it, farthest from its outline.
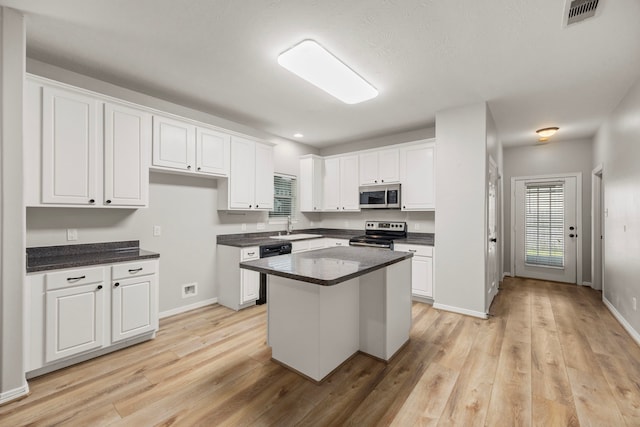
(289, 225)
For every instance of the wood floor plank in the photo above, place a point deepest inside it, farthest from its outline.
(550, 355)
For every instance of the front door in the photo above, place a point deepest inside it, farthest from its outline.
(546, 232)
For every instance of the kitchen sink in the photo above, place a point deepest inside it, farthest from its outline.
(296, 236)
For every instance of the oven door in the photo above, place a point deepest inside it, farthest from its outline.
(373, 197)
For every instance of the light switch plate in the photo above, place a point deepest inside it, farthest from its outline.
(72, 234)
(157, 230)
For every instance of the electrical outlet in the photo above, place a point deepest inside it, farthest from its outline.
(189, 290)
(72, 234)
(157, 230)
(243, 227)
(416, 226)
(634, 302)
(260, 226)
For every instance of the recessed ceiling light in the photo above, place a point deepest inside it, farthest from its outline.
(546, 133)
(298, 135)
(319, 67)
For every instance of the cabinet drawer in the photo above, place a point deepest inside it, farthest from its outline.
(81, 276)
(418, 250)
(133, 269)
(250, 253)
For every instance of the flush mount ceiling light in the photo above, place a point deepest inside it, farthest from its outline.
(546, 133)
(319, 67)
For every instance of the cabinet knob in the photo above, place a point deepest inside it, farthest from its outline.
(92, 201)
(375, 181)
(189, 167)
(257, 206)
(404, 207)
(338, 208)
(250, 206)
(108, 201)
(382, 180)
(99, 287)
(115, 285)
(199, 168)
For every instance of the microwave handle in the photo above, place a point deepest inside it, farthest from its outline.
(386, 197)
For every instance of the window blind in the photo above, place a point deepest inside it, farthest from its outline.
(544, 224)
(284, 196)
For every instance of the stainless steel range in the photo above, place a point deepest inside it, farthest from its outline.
(380, 234)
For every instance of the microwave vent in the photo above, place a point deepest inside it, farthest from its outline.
(579, 10)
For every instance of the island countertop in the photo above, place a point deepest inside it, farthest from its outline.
(328, 266)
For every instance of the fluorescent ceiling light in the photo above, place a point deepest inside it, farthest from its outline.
(319, 67)
(298, 135)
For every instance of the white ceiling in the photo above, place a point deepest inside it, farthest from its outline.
(219, 56)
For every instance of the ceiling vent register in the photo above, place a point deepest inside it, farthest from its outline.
(579, 10)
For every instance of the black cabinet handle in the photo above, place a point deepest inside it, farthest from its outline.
(382, 180)
(189, 167)
(99, 287)
(76, 278)
(338, 208)
(250, 206)
(92, 201)
(375, 181)
(493, 240)
(108, 201)
(257, 206)
(251, 253)
(404, 207)
(199, 168)
(116, 284)
(135, 270)
(412, 250)
(573, 235)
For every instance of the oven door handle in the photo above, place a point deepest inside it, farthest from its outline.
(372, 245)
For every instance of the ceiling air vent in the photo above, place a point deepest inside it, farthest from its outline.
(579, 10)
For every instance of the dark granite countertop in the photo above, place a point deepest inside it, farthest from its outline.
(44, 258)
(328, 266)
(244, 240)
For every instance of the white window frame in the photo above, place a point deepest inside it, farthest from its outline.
(294, 213)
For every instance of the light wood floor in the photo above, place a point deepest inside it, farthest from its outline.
(551, 355)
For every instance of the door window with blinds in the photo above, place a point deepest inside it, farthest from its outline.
(284, 196)
(544, 224)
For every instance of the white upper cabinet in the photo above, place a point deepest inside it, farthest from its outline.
(182, 147)
(349, 194)
(70, 146)
(310, 184)
(212, 152)
(380, 167)
(174, 144)
(250, 183)
(417, 174)
(127, 139)
(94, 153)
(341, 184)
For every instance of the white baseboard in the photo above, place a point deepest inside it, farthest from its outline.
(634, 334)
(16, 393)
(459, 310)
(189, 307)
(589, 284)
(506, 274)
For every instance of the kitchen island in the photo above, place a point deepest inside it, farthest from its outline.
(326, 305)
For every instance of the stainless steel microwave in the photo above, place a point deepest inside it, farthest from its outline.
(380, 197)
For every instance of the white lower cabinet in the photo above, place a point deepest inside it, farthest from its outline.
(330, 241)
(134, 304)
(421, 268)
(74, 316)
(238, 288)
(308, 245)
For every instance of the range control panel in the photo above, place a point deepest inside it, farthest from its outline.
(386, 226)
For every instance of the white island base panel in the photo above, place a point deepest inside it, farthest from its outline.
(313, 329)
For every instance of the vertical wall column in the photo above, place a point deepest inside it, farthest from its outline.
(461, 176)
(12, 212)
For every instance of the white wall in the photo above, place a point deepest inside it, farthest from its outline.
(553, 157)
(617, 148)
(461, 152)
(12, 217)
(185, 207)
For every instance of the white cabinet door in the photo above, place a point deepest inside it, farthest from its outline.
(331, 184)
(250, 285)
(127, 139)
(418, 177)
(74, 320)
(388, 166)
(369, 168)
(242, 174)
(422, 276)
(264, 177)
(134, 308)
(212, 152)
(310, 184)
(174, 143)
(69, 148)
(349, 184)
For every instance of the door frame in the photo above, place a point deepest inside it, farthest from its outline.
(578, 177)
(597, 225)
